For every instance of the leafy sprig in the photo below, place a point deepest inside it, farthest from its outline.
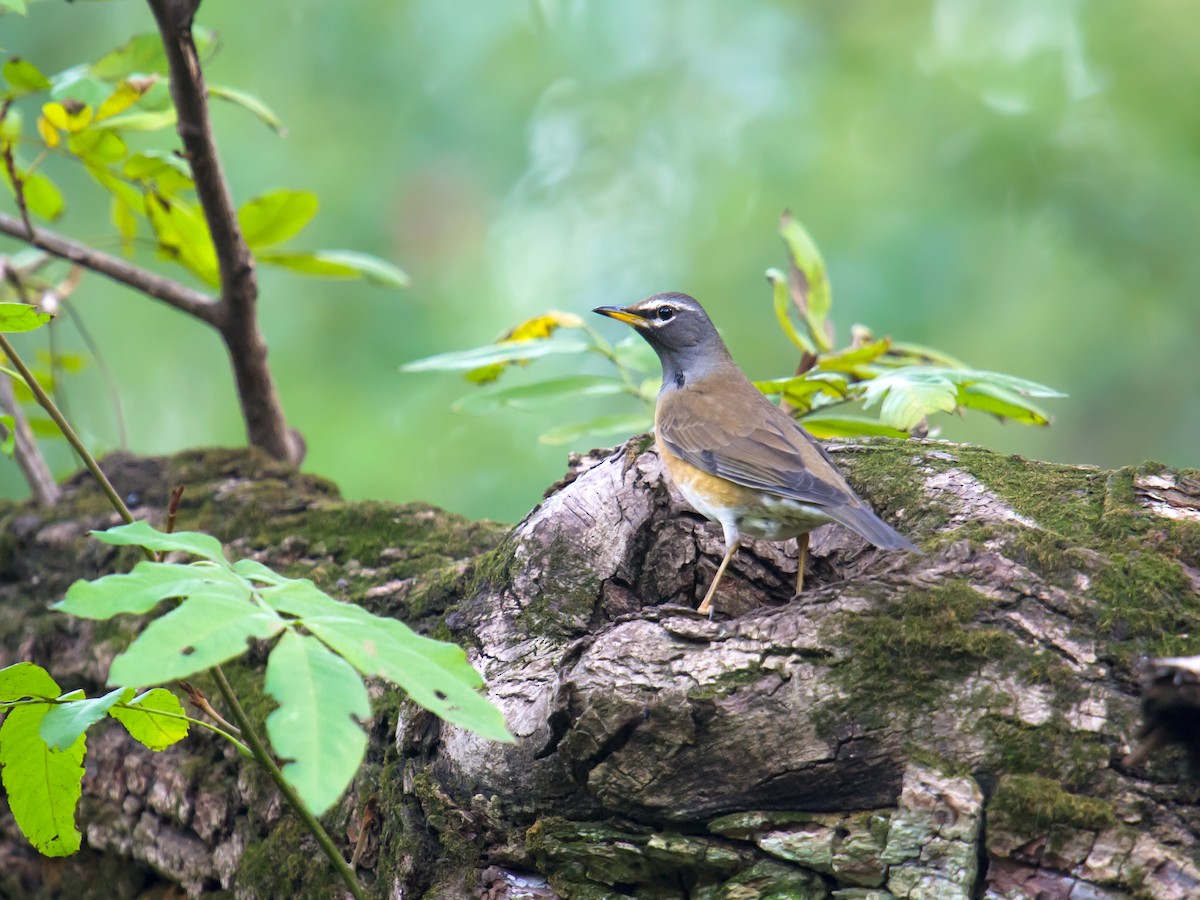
(832, 391)
(92, 113)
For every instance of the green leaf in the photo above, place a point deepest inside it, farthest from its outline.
(149, 120)
(70, 717)
(435, 674)
(256, 571)
(143, 54)
(43, 785)
(149, 583)
(26, 679)
(43, 427)
(16, 317)
(963, 377)
(808, 283)
(99, 146)
(76, 84)
(510, 351)
(124, 219)
(826, 427)
(538, 394)
(8, 426)
(906, 354)
(24, 77)
(154, 719)
(164, 174)
(183, 236)
(43, 197)
(626, 425)
(275, 217)
(143, 534)
(909, 395)
(851, 359)
(782, 304)
(17, 6)
(319, 694)
(1003, 403)
(250, 103)
(339, 264)
(201, 632)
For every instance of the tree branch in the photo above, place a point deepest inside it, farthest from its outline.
(261, 408)
(178, 296)
(25, 450)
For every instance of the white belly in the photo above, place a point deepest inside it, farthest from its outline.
(769, 518)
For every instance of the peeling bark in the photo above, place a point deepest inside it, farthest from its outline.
(950, 724)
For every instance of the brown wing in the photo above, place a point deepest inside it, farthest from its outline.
(743, 437)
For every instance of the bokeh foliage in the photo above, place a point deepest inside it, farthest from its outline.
(1014, 183)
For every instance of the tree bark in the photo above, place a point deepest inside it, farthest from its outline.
(949, 724)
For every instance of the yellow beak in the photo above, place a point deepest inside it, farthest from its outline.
(621, 315)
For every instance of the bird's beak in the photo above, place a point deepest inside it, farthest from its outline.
(621, 315)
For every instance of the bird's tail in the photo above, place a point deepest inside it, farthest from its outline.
(860, 519)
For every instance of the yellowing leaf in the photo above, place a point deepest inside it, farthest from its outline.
(69, 115)
(48, 132)
(126, 94)
(183, 236)
(536, 329)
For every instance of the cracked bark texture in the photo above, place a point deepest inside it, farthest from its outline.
(950, 724)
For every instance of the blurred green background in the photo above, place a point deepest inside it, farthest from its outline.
(1016, 183)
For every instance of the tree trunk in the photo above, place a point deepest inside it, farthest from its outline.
(949, 724)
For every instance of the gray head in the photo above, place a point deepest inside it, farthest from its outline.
(679, 330)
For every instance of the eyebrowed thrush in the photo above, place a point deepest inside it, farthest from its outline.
(736, 457)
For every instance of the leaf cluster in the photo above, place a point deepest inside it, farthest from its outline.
(43, 742)
(833, 388)
(93, 115)
(323, 650)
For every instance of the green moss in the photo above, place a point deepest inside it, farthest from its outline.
(1052, 750)
(881, 471)
(1067, 500)
(1145, 605)
(902, 653)
(1027, 806)
(287, 862)
(728, 682)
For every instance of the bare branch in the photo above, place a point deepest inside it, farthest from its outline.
(261, 408)
(29, 458)
(172, 293)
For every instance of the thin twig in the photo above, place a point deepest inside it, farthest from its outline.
(176, 295)
(14, 177)
(42, 487)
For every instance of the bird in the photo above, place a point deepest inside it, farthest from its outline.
(736, 457)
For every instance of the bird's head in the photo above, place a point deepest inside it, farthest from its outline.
(675, 325)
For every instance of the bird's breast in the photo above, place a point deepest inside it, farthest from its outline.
(745, 510)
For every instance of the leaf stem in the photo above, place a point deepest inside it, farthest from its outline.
(289, 793)
(605, 349)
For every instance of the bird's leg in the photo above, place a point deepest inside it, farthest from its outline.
(802, 543)
(705, 606)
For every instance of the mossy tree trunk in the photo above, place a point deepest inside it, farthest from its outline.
(950, 724)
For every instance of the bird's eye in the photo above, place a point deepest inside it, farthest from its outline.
(665, 313)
